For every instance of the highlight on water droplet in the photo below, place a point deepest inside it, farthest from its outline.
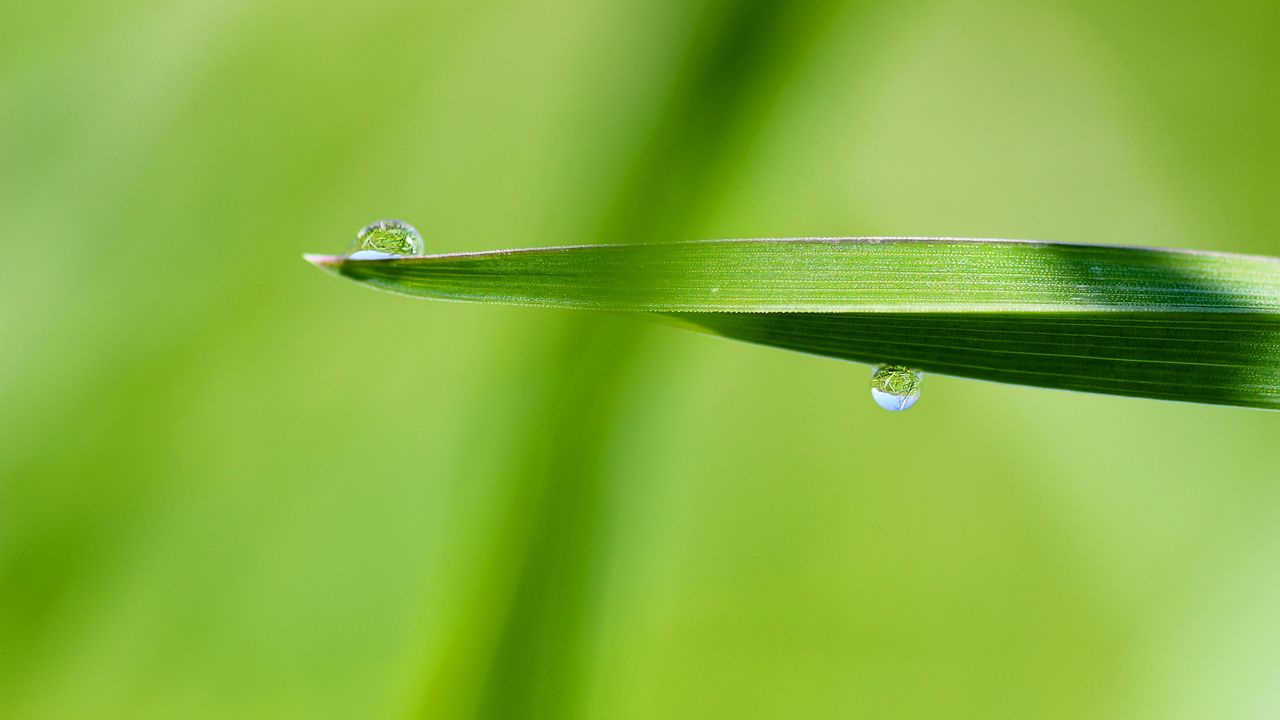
(386, 239)
(895, 387)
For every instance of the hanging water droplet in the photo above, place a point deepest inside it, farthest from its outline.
(386, 239)
(895, 387)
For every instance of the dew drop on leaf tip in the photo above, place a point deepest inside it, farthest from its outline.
(386, 239)
(895, 387)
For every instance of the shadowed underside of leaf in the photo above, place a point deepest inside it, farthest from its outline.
(1165, 356)
(1176, 325)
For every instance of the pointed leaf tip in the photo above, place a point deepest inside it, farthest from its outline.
(327, 262)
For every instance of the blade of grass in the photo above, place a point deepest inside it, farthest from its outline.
(1178, 325)
(541, 593)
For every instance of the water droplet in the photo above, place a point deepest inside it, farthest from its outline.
(895, 387)
(386, 239)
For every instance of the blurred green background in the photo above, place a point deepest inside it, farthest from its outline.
(232, 486)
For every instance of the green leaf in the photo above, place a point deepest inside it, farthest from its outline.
(1176, 325)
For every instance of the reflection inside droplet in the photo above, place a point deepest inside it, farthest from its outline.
(895, 387)
(386, 239)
